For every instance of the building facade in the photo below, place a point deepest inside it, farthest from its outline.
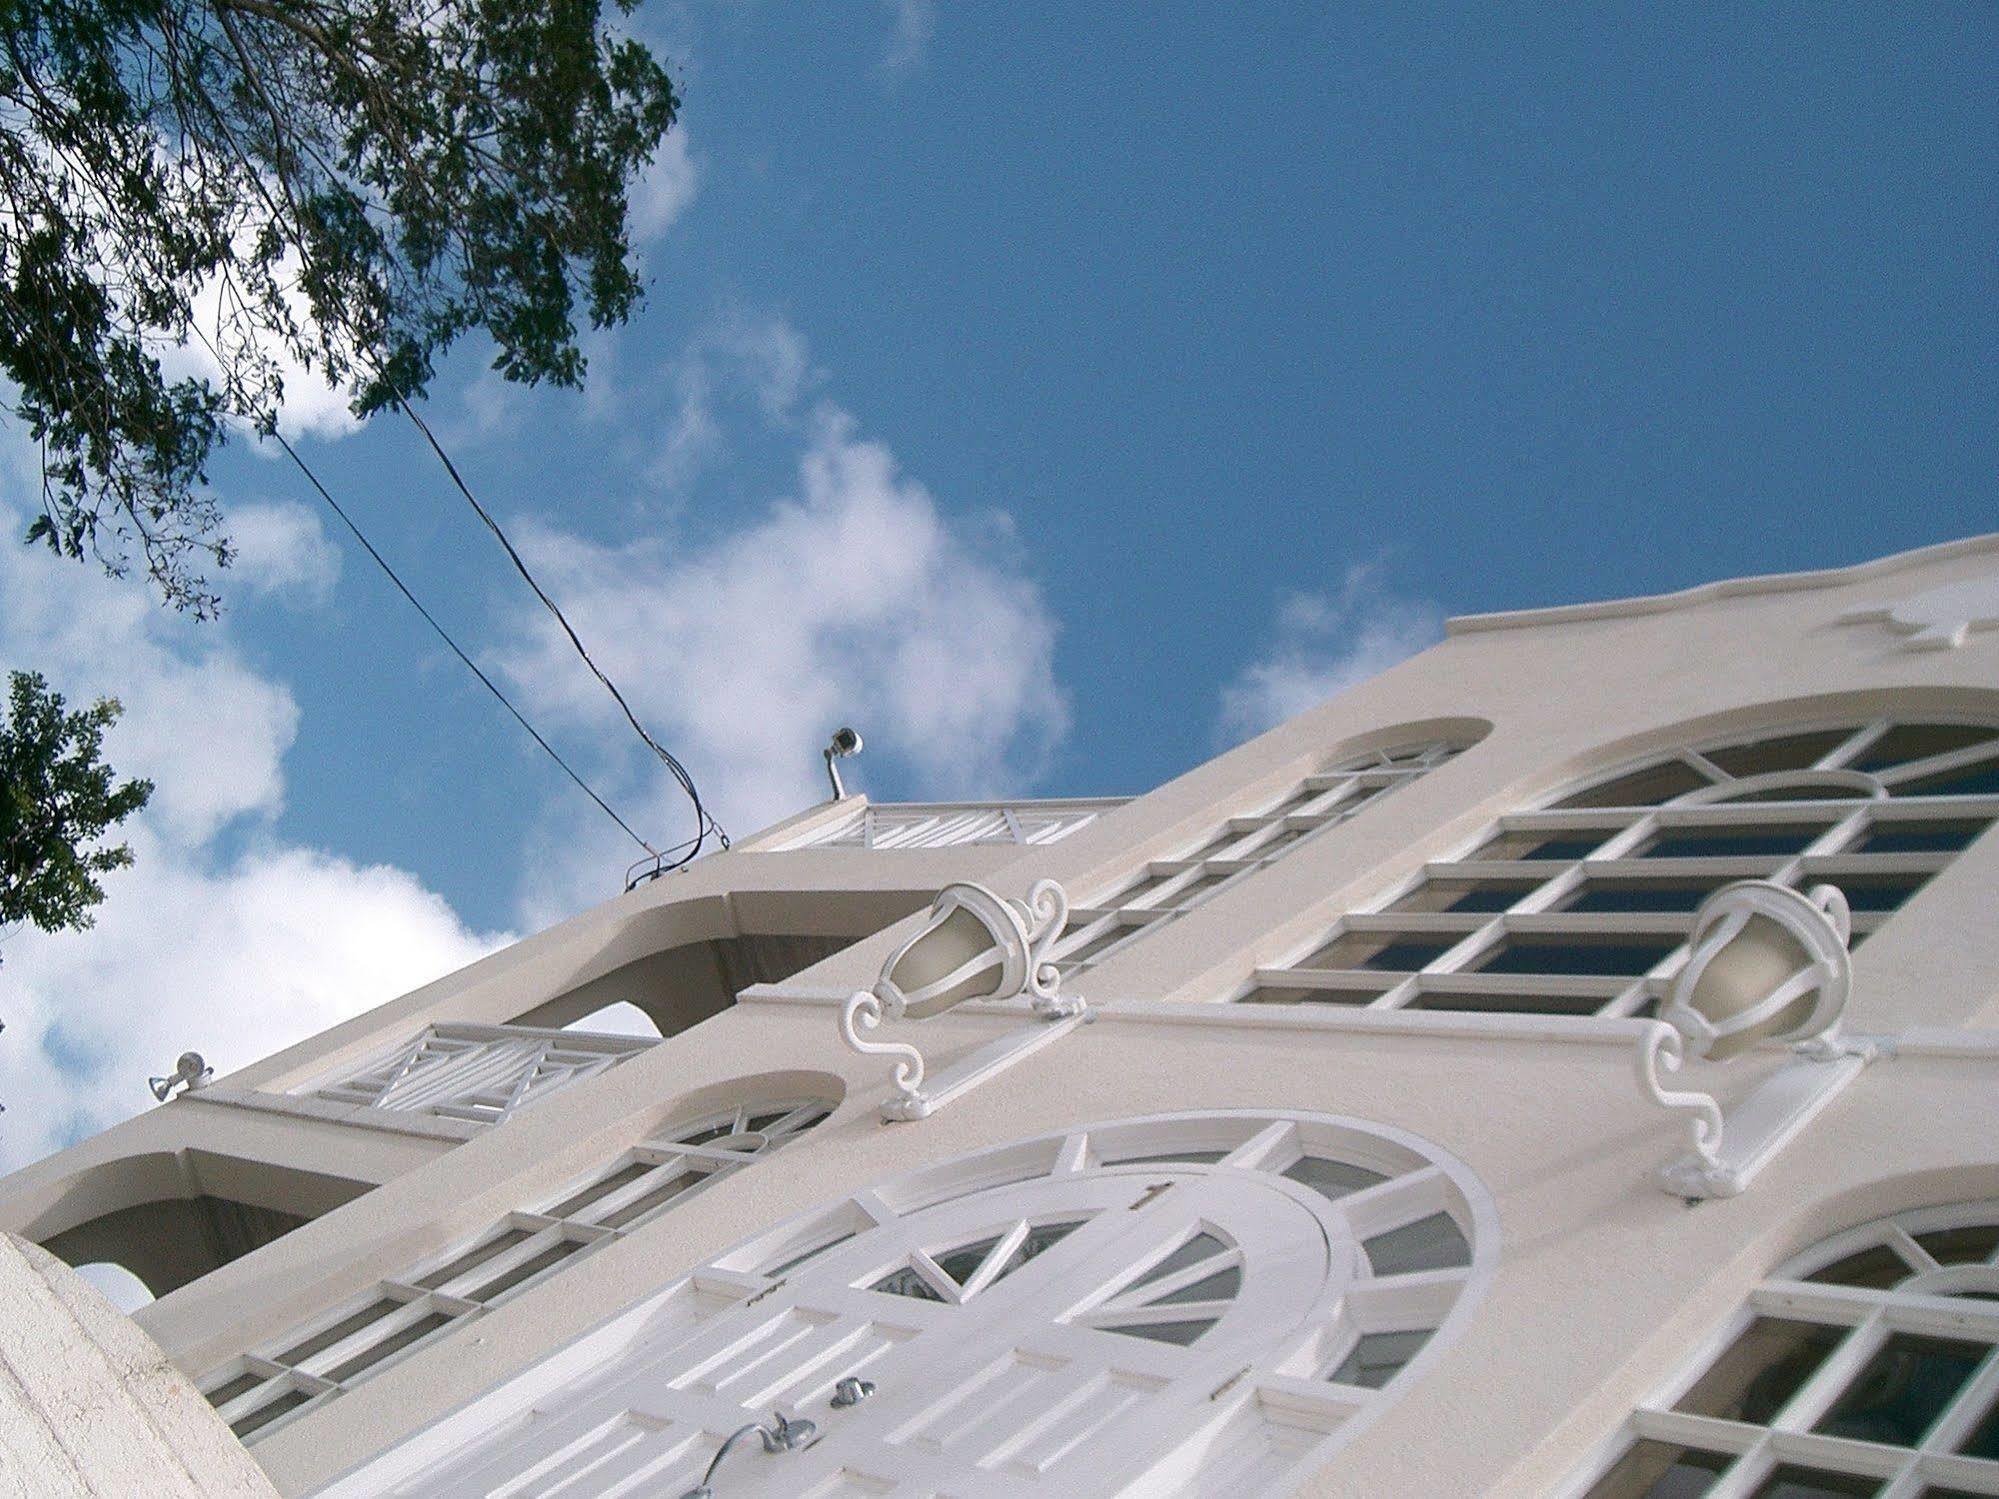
(1345, 1184)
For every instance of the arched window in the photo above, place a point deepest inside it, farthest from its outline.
(1189, 1304)
(355, 1340)
(1162, 889)
(1865, 1366)
(1583, 907)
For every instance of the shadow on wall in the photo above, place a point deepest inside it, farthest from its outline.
(682, 986)
(170, 1218)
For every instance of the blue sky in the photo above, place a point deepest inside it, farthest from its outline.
(1056, 391)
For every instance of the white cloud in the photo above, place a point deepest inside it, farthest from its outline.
(282, 550)
(311, 407)
(856, 599)
(1326, 643)
(738, 355)
(663, 191)
(232, 953)
(912, 24)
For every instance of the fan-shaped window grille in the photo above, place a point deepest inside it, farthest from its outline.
(1192, 1304)
(1583, 907)
(337, 1349)
(1865, 1366)
(1163, 889)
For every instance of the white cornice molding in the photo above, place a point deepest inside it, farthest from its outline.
(1727, 588)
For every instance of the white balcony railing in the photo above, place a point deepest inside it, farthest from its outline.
(955, 824)
(477, 1073)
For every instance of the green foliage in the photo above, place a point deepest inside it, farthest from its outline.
(56, 797)
(355, 182)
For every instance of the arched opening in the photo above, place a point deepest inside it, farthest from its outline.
(165, 1220)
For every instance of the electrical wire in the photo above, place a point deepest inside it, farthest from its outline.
(444, 635)
(704, 822)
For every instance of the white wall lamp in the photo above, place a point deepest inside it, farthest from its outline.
(1767, 963)
(974, 945)
(189, 1073)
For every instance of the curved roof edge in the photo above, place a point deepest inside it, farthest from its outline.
(1726, 588)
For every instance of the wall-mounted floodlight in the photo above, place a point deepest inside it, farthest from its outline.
(845, 745)
(974, 945)
(1768, 963)
(189, 1073)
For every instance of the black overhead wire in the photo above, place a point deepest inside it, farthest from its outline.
(704, 821)
(444, 635)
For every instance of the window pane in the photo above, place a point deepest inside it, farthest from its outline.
(1970, 1245)
(1380, 950)
(1182, 1333)
(1047, 1236)
(1614, 896)
(1729, 843)
(1625, 957)
(1918, 741)
(1331, 1179)
(906, 1282)
(1786, 752)
(1984, 1439)
(1873, 892)
(1443, 997)
(1432, 1243)
(1465, 895)
(1903, 1389)
(1967, 780)
(1567, 847)
(1761, 1370)
(1874, 1269)
(962, 1264)
(1938, 837)
(1378, 1357)
(1200, 1247)
(1790, 1482)
(1223, 1285)
(1348, 997)
(1641, 788)
(1660, 1470)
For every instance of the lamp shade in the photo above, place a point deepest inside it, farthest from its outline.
(973, 946)
(1768, 962)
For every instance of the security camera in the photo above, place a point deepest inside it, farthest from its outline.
(190, 1072)
(845, 743)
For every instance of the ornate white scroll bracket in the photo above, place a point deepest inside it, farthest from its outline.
(1021, 958)
(1724, 1155)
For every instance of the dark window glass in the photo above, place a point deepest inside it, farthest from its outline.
(1874, 892)
(1332, 1179)
(1792, 1482)
(1968, 780)
(1918, 837)
(1379, 950)
(1961, 1246)
(1432, 1243)
(1918, 741)
(1566, 847)
(1984, 1439)
(1310, 997)
(1728, 843)
(1378, 1357)
(1506, 1004)
(1875, 1269)
(1761, 1370)
(1641, 788)
(1786, 752)
(1661, 1470)
(1537, 953)
(1903, 1389)
(1616, 896)
(1459, 895)
(268, 1412)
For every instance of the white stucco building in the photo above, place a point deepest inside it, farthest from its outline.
(1345, 1184)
